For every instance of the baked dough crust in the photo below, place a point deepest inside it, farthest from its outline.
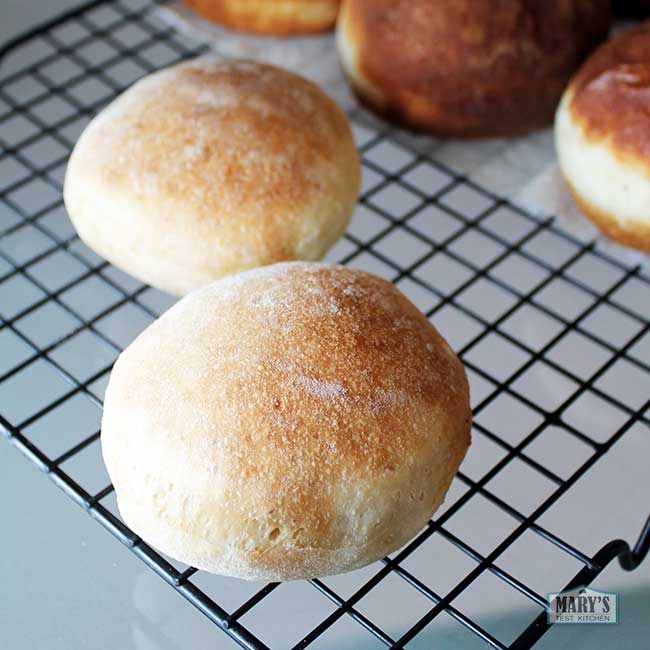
(467, 67)
(270, 17)
(293, 421)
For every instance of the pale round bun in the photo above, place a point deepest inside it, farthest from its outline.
(270, 17)
(292, 421)
(467, 67)
(602, 136)
(211, 167)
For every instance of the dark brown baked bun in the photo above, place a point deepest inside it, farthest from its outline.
(270, 17)
(602, 133)
(467, 67)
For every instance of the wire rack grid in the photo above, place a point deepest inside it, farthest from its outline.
(479, 267)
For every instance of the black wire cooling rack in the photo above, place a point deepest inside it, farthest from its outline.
(457, 244)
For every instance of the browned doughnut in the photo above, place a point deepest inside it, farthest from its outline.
(272, 17)
(467, 67)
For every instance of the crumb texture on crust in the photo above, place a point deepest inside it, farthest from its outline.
(210, 167)
(611, 189)
(611, 93)
(296, 420)
(271, 17)
(467, 67)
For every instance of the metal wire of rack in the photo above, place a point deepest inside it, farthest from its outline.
(55, 78)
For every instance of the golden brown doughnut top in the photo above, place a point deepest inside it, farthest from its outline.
(611, 92)
(210, 167)
(270, 17)
(477, 57)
